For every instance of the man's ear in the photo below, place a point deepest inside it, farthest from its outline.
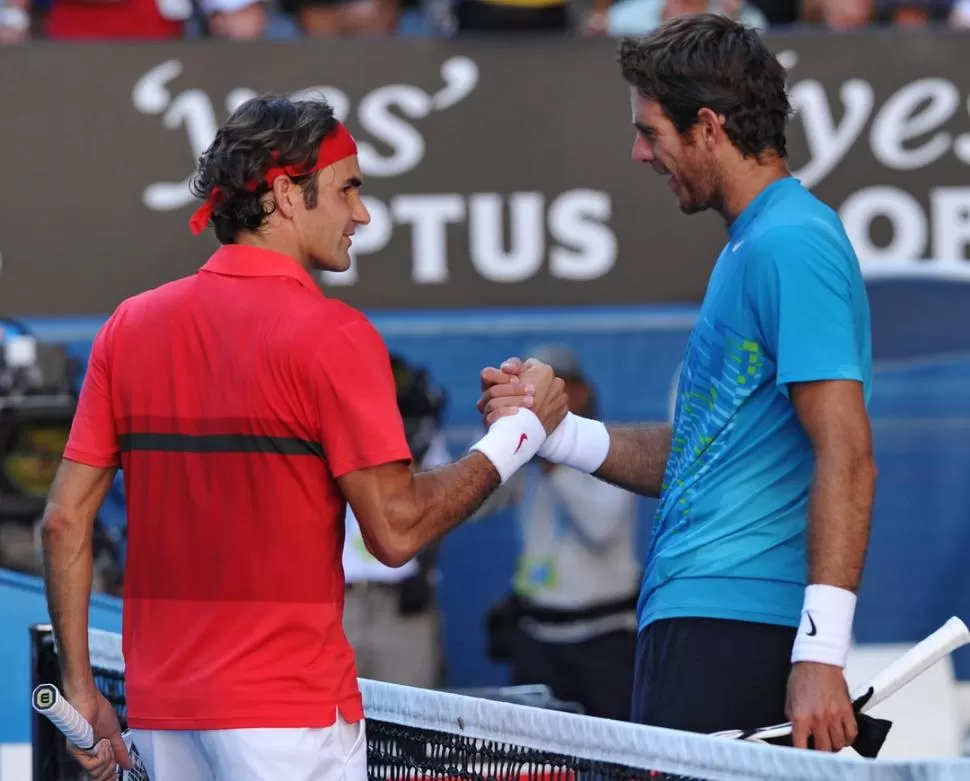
(285, 193)
(710, 125)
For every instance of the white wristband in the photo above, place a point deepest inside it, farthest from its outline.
(512, 441)
(578, 442)
(825, 632)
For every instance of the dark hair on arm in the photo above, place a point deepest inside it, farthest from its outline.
(710, 61)
(242, 152)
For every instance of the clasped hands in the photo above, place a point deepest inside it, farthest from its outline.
(530, 385)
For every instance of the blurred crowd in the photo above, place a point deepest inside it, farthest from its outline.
(75, 20)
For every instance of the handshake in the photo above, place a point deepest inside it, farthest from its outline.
(525, 407)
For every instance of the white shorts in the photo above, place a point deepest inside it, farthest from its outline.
(335, 753)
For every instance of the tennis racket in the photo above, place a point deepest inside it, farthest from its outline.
(917, 660)
(48, 701)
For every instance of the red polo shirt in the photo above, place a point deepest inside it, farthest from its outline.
(232, 400)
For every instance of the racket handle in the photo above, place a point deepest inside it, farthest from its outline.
(47, 700)
(917, 660)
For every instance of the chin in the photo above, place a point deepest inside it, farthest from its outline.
(688, 207)
(334, 264)
(693, 206)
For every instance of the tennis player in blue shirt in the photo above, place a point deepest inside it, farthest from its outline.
(766, 477)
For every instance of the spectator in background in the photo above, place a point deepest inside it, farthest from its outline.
(345, 17)
(914, 13)
(391, 615)
(14, 24)
(131, 20)
(77, 20)
(960, 15)
(514, 16)
(570, 622)
(839, 15)
(639, 17)
(243, 20)
(851, 15)
(779, 12)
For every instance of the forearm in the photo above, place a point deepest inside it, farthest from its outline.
(637, 457)
(439, 500)
(840, 512)
(67, 545)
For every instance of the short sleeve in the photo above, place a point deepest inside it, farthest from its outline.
(94, 440)
(361, 426)
(803, 299)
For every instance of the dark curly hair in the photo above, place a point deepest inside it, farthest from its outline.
(710, 61)
(242, 153)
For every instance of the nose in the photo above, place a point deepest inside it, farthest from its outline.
(642, 151)
(361, 216)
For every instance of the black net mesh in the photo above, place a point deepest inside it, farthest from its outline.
(396, 752)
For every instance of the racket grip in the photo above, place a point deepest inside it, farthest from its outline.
(48, 701)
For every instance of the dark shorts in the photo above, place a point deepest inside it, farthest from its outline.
(708, 675)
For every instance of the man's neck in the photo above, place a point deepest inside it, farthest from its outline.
(746, 181)
(274, 243)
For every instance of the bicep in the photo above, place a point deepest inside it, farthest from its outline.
(370, 491)
(360, 424)
(833, 415)
(376, 496)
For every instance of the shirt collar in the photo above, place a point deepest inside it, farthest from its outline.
(237, 260)
(753, 209)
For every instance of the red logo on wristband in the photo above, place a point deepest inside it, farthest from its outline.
(523, 438)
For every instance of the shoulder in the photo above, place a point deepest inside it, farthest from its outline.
(333, 332)
(144, 309)
(156, 300)
(323, 319)
(807, 233)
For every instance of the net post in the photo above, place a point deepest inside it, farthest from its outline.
(43, 735)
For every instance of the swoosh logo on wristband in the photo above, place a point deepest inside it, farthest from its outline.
(811, 623)
(522, 439)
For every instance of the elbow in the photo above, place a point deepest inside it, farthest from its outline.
(862, 464)
(856, 465)
(393, 544)
(55, 525)
(391, 551)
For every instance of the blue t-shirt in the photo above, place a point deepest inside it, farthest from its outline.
(785, 303)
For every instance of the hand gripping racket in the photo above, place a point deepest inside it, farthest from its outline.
(917, 660)
(48, 701)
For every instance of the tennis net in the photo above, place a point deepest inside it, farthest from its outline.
(441, 736)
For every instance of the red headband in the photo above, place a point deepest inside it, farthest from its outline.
(335, 147)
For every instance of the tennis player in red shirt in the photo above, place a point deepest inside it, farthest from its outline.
(246, 409)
